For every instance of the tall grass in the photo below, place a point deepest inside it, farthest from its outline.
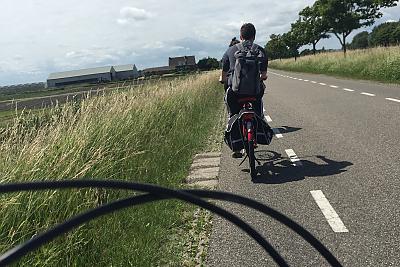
(147, 134)
(379, 64)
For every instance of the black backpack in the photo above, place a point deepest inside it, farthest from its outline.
(246, 75)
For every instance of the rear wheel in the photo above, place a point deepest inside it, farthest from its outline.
(252, 159)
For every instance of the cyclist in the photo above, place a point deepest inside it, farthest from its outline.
(247, 37)
(234, 41)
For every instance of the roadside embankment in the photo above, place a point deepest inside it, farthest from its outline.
(378, 64)
(145, 134)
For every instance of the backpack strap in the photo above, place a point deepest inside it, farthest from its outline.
(240, 47)
(254, 48)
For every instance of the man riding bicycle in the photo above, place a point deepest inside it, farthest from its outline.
(243, 74)
(247, 36)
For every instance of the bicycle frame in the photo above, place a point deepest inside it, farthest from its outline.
(247, 126)
(249, 133)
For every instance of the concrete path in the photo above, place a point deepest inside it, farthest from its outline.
(204, 170)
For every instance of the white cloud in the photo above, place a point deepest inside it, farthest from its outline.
(154, 45)
(122, 21)
(234, 25)
(70, 54)
(133, 14)
(90, 57)
(18, 57)
(178, 47)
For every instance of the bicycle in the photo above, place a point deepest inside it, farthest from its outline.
(248, 126)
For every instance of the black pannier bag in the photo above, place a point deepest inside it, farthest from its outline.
(233, 133)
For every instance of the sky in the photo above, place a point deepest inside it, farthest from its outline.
(43, 36)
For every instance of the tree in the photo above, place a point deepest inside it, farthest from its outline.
(294, 39)
(208, 64)
(313, 26)
(306, 52)
(276, 48)
(396, 34)
(344, 16)
(386, 34)
(360, 40)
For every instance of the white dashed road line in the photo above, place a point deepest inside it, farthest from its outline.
(293, 157)
(267, 117)
(330, 214)
(393, 99)
(367, 94)
(277, 133)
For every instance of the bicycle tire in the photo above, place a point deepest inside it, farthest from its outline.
(252, 159)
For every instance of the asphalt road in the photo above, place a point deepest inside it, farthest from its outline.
(346, 134)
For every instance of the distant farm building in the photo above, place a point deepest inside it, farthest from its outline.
(185, 63)
(92, 75)
(126, 72)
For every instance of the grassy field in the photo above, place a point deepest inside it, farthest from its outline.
(7, 117)
(60, 90)
(84, 87)
(147, 134)
(379, 64)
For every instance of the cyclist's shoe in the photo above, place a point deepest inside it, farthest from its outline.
(237, 154)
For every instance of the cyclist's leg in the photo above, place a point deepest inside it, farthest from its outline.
(260, 103)
(226, 104)
(233, 108)
(232, 102)
(258, 107)
(261, 108)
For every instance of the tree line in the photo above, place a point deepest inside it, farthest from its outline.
(323, 19)
(208, 64)
(385, 34)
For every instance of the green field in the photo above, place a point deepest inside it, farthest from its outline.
(85, 87)
(146, 134)
(7, 117)
(58, 91)
(379, 64)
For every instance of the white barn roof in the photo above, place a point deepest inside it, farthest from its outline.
(76, 73)
(128, 67)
